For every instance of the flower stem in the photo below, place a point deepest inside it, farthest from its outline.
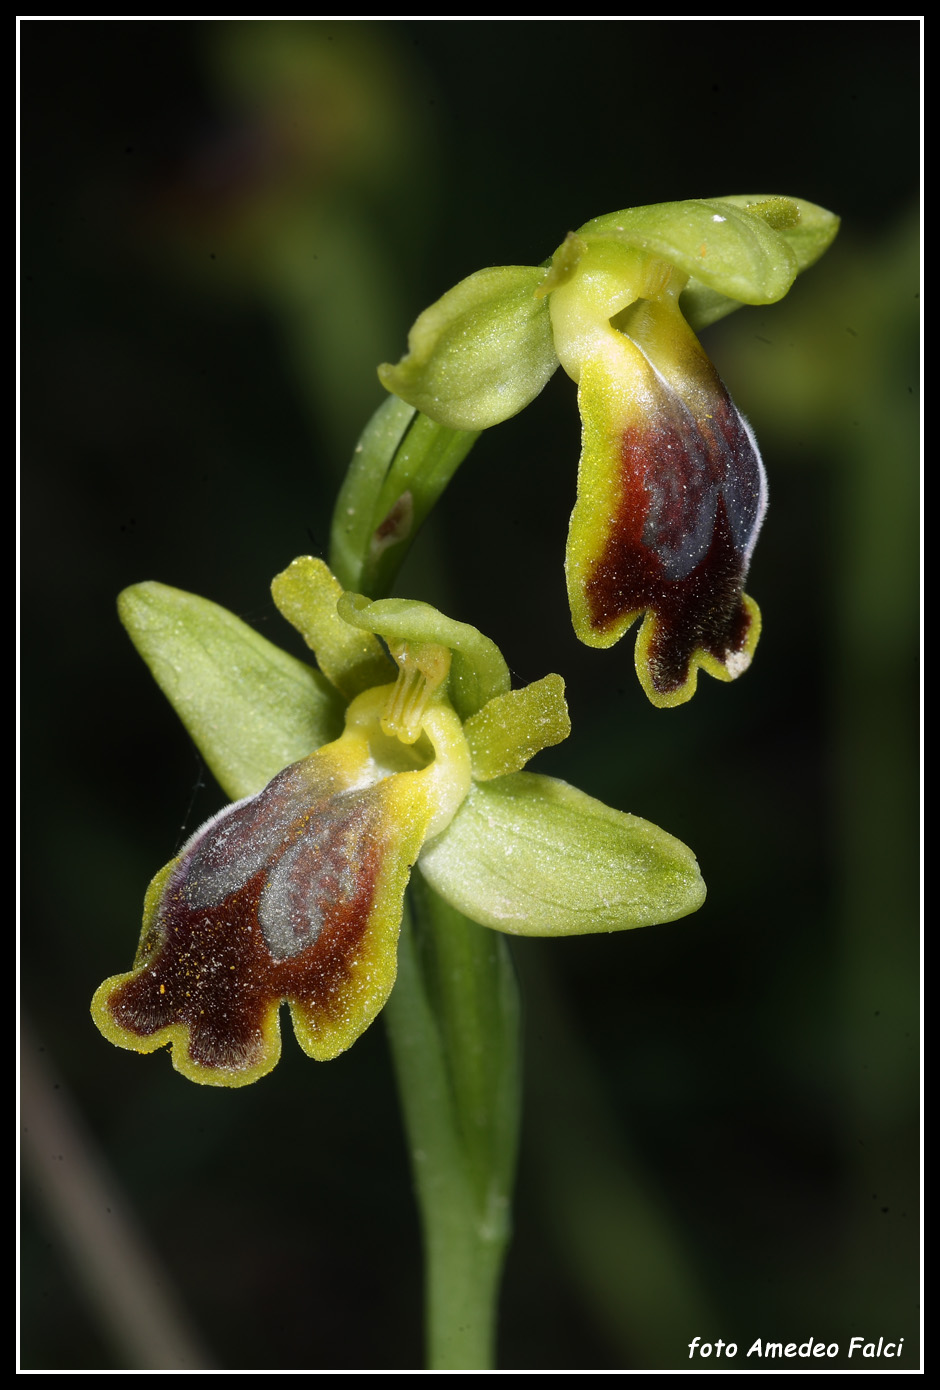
(453, 1027)
(453, 1017)
(402, 464)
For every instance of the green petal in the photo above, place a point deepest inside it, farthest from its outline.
(510, 729)
(478, 671)
(306, 594)
(533, 856)
(250, 708)
(481, 353)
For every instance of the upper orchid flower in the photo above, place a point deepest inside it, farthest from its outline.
(671, 489)
(294, 893)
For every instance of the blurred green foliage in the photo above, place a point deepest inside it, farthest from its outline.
(225, 227)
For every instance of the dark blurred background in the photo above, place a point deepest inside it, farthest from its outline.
(225, 227)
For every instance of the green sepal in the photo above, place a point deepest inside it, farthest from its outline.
(809, 233)
(808, 236)
(478, 671)
(510, 729)
(481, 353)
(250, 708)
(533, 856)
(306, 594)
(744, 249)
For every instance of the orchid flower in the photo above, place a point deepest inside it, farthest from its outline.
(294, 893)
(671, 488)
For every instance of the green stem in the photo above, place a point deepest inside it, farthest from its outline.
(402, 464)
(453, 1027)
(353, 516)
(453, 1018)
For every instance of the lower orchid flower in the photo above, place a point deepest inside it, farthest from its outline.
(671, 488)
(295, 892)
